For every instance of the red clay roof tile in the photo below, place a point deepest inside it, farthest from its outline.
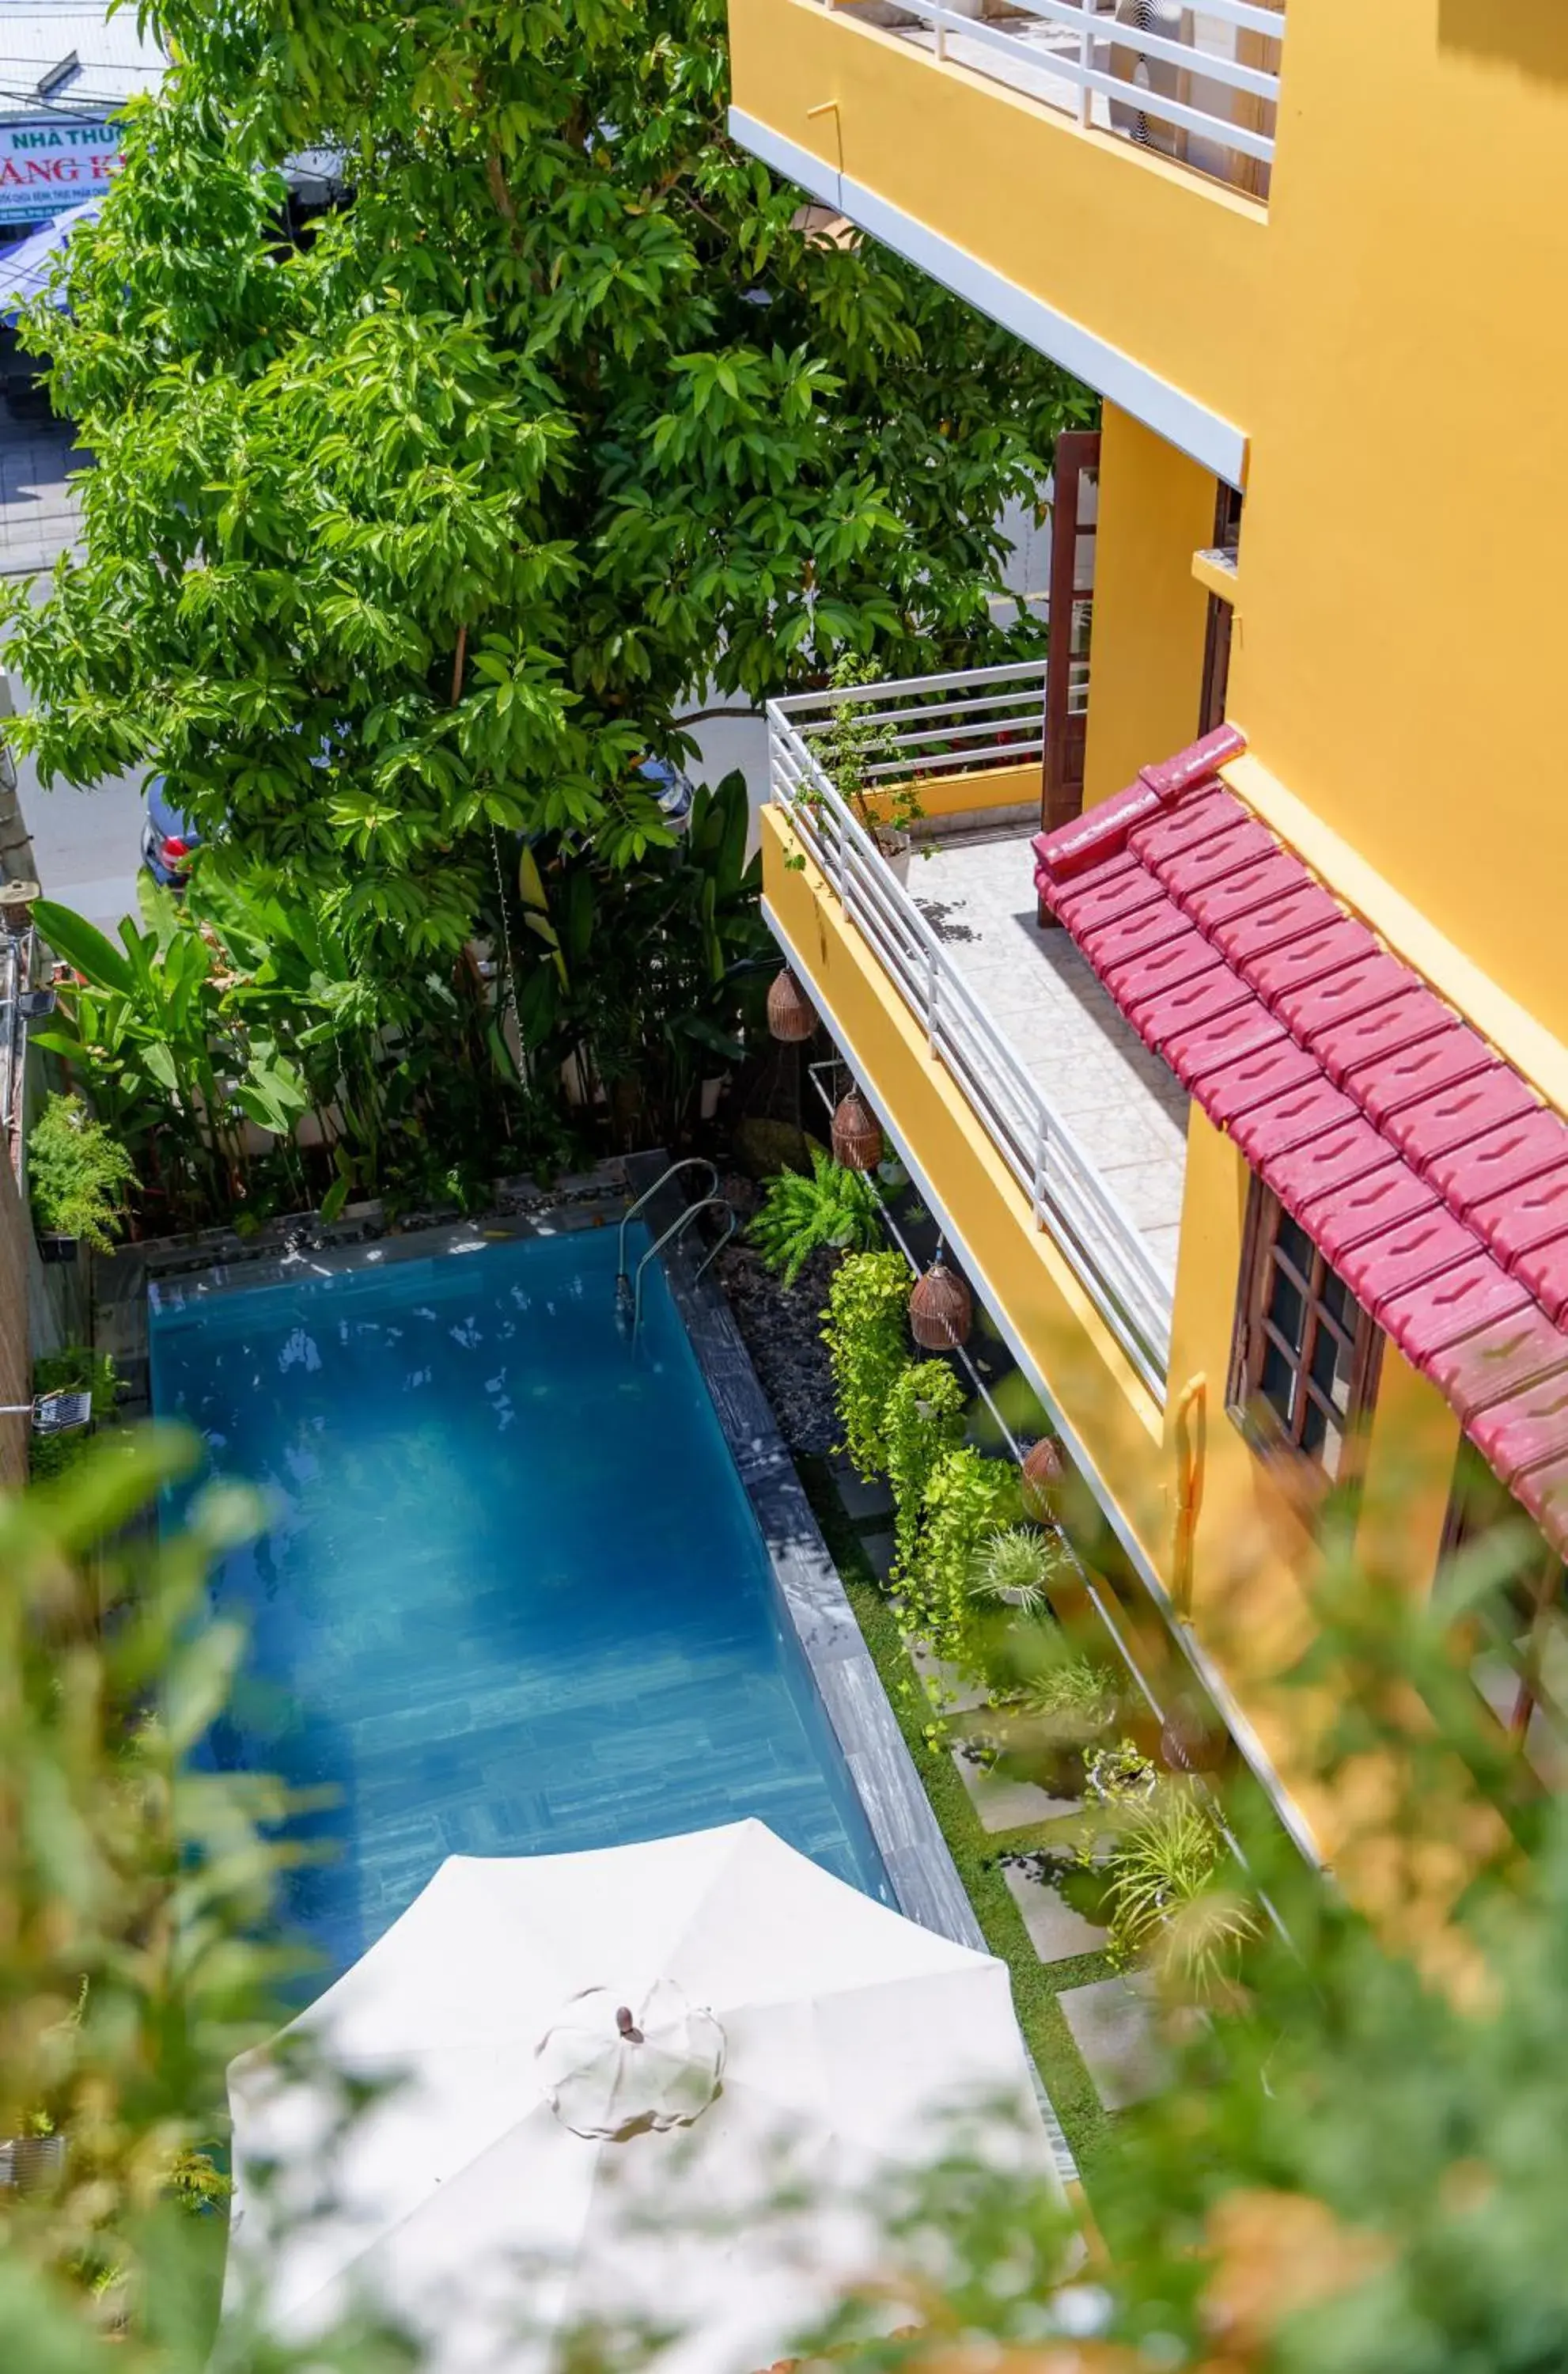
(1543, 1272)
(1457, 1115)
(1327, 1162)
(1338, 941)
(1523, 1217)
(1500, 1161)
(1406, 1254)
(1242, 939)
(1501, 1360)
(1353, 1216)
(1420, 1163)
(1428, 1319)
(1362, 986)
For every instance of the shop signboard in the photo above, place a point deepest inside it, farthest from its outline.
(45, 168)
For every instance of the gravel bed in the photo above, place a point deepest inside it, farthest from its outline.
(782, 1332)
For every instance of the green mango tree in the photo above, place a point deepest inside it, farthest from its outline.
(423, 531)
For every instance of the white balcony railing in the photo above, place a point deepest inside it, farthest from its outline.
(1200, 84)
(921, 728)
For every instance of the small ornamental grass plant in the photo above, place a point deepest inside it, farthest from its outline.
(1014, 1568)
(1168, 1902)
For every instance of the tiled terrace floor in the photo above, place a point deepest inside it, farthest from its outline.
(1125, 1107)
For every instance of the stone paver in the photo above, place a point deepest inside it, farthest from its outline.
(1004, 1804)
(1124, 1105)
(958, 1695)
(879, 1549)
(1057, 1930)
(860, 1499)
(1112, 2022)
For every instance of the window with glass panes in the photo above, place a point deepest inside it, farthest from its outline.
(1306, 1353)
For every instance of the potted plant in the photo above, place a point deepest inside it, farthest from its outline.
(846, 749)
(1014, 1568)
(77, 1175)
(1172, 1901)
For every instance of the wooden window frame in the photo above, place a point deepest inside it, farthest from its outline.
(1220, 619)
(1546, 1585)
(1275, 1440)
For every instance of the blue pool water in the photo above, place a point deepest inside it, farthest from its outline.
(512, 1598)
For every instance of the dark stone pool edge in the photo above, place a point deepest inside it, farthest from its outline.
(908, 1836)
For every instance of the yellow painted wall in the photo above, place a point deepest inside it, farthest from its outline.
(1254, 1552)
(1157, 509)
(1020, 187)
(1392, 339)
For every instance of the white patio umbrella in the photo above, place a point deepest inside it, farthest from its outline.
(610, 2063)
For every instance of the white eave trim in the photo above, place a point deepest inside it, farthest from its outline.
(1217, 444)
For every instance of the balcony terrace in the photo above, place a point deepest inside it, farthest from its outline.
(1201, 86)
(1090, 1125)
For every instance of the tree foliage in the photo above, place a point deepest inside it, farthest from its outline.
(422, 529)
(1358, 2164)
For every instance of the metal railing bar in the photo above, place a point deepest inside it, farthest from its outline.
(1016, 753)
(1224, 135)
(965, 730)
(988, 703)
(1087, 76)
(1249, 13)
(791, 704)
(1260, 82)
(1037, 1148)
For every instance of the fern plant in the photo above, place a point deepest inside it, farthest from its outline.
(77, 1174)
(923, 1418)
(836, 1206)
(867, 1338)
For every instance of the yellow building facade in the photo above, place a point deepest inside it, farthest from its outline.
(1309, 259)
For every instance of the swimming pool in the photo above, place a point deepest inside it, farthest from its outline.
(512, 1598)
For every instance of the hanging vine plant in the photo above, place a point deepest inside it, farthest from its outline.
(967, 1498)
(867, 1339)
(922, 1421)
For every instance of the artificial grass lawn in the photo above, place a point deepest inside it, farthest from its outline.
(977, 1851)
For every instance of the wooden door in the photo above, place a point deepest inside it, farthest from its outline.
(1222, 614)
(1069, 616)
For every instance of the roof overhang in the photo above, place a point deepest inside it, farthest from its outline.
(1421, 1163)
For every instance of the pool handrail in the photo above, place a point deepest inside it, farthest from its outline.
(678, 1228)
(686, 1163)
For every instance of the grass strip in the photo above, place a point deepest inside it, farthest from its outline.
(975, 1852)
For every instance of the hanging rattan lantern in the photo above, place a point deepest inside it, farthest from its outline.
(940, 1311)
(1040, 1479)
(857, 1133)
(791, 1014)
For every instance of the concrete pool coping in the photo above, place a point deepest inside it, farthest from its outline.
(919, 1866)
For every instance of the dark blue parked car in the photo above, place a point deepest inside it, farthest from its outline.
(167, 839)
(672, 789)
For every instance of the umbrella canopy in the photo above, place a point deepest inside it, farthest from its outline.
(25, 269)
(610, 2065)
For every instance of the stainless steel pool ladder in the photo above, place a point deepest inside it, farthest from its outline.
(628, 1290)
(623, 1298)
